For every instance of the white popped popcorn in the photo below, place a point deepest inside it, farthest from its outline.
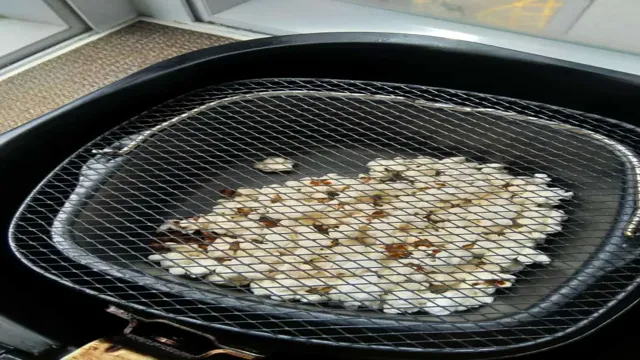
(380, 165)
(274, 164)
(355, 291)
(538, 194)
(433, 260)
(412, 235)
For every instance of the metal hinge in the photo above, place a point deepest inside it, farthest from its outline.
(167, 340)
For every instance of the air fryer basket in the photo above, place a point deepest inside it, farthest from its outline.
(172, 161)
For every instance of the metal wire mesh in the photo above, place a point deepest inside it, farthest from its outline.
(421, 280)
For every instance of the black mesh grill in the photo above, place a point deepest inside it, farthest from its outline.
(173, 161)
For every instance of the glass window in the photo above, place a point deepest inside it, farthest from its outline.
(528, 16)
(596, 23)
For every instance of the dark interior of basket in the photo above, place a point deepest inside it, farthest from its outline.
(180, 171)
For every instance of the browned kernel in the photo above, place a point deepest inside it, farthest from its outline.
(227, 192)
(397, 251)
(496, 282)
(416, 267)
(323, 229)
(320, 290)
(159, 247)
(333, 194)
(423, 242)
(235, 246)
(208, 237)
(320, 182)
(268, 222)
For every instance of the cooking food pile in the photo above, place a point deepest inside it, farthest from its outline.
(419, 234)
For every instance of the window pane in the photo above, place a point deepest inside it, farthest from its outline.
(529, 16)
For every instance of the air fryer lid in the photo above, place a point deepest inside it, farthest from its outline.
(173, 160)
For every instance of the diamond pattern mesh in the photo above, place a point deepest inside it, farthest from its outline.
(93, 224)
